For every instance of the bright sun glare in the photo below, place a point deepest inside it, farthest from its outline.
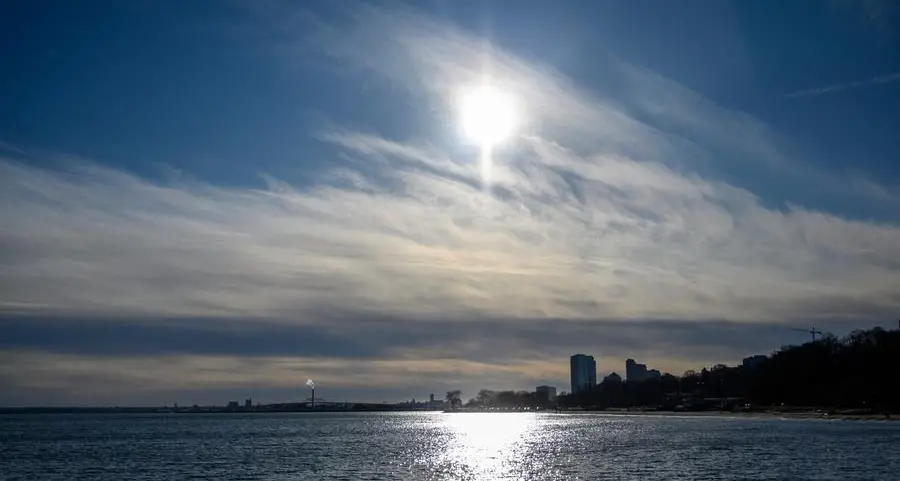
(488, 115)
(486, 445)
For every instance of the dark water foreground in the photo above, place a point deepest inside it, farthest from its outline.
(423, 446)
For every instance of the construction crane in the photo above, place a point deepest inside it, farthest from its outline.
(812, 331)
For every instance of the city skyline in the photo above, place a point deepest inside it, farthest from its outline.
(210, 201)
(582, 371)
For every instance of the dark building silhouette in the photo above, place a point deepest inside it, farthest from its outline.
(639, 372)
(635, 371)
(754, 361)
(583, 372)
(612, 378)
(545, 393)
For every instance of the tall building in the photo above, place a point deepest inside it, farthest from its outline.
(635, 371)
(546, 393)
(583, 372)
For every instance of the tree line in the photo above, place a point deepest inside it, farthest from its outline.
(859, 371)
(488, 399)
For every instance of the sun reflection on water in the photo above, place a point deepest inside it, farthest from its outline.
(485, 446)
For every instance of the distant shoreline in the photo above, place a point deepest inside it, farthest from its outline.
(208, 410)
(748, 414)
(794, 414)
(849, 415)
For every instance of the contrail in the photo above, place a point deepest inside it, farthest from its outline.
(882, 79)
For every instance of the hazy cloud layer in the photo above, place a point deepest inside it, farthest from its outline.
(594, 223)
(351, 337)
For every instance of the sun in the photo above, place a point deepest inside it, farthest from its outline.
(488, 115)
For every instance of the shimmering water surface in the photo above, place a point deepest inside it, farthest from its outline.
(420, 446)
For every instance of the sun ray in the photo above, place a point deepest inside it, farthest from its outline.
(488, 117)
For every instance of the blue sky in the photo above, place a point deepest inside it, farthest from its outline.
(195, 184)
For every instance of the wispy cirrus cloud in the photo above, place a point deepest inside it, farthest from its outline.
(637, 113)
(840, 87)
(595, 221)
(624, 238)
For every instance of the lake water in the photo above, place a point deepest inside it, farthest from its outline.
(433, 446)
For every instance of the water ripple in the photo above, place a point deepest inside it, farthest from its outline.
(434, 446)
